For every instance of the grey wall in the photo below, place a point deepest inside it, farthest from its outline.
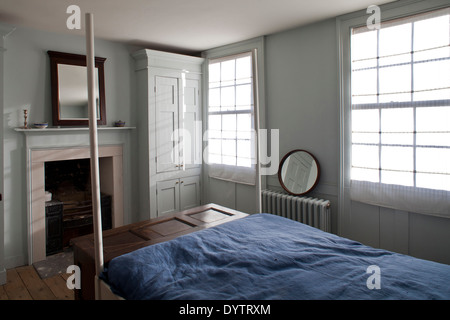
(302, 100)
(27, 86)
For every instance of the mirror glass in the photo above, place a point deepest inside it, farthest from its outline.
(73, 92)
(298, 172)
(70, 92)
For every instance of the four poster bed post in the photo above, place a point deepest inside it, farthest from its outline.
(93, 139)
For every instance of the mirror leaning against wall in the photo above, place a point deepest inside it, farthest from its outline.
(298, 172)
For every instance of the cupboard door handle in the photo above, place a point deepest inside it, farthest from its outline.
(181, 181)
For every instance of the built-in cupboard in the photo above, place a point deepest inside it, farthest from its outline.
(169, 131)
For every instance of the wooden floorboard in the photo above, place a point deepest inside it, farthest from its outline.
(24, 283)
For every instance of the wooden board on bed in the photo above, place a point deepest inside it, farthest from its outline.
(131, 237)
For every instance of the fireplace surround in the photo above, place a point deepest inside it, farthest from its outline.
(44, 145)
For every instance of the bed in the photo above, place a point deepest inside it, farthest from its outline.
(267, 257)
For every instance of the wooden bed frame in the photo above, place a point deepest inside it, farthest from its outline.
(131, 237)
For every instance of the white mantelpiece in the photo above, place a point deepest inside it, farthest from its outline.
(55, 144)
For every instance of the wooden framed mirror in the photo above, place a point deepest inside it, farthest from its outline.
(298, 172)
(69, 89)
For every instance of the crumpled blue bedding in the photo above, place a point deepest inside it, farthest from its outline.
(263, 256)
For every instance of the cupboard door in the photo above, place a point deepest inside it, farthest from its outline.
(189, 192)
(168, 195)
(166, 124)
(191, 125)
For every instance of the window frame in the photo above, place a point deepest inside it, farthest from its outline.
(256, 45)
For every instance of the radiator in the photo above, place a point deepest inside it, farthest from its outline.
(311, 211)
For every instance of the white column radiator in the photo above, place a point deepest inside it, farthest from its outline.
(311, 211)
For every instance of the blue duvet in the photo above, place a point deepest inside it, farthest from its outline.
(263, 256)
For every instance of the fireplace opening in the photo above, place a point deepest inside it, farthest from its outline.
(68, 203)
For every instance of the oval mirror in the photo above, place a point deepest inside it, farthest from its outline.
(298, 172)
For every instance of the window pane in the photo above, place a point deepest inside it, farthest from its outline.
(244, 148)
(433, 160)
(214, 74)
(244, 69)
(215, 127)
(214, 158)
(227, 99)
(214, 97)
(215, 146)
(231, 161)
(433, 126)
(395, 83)
(364, 46)
(244, 126)
(365, 156)
(438, 27)
(397, 120)
(227, 72)
(436, 53)
(398, 178)
(364, 82)
(395, 40)
(371, 175)
(244, 96)
(229, 148)
(430, 76)
(365, 120)
(433, 181)
(389, 61)
(365, 137)
(397, 158)
(433, 139)
(229, 126)
(244, 162)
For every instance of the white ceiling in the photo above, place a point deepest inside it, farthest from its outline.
(185, 25)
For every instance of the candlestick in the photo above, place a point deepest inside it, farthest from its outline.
(25, 115)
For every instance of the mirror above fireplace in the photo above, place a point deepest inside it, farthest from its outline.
(69, 89)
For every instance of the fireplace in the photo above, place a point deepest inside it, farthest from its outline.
(68, 208)
(72, 191)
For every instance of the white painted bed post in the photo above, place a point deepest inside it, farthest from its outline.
(95, 180)
(257, 127)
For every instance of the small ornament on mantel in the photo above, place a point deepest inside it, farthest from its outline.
(119, 123)
(25, 115)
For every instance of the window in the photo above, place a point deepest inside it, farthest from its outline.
(400, 109)
(231, 144)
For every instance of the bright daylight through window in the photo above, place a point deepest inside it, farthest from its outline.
(401, 102)
(230, 111)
